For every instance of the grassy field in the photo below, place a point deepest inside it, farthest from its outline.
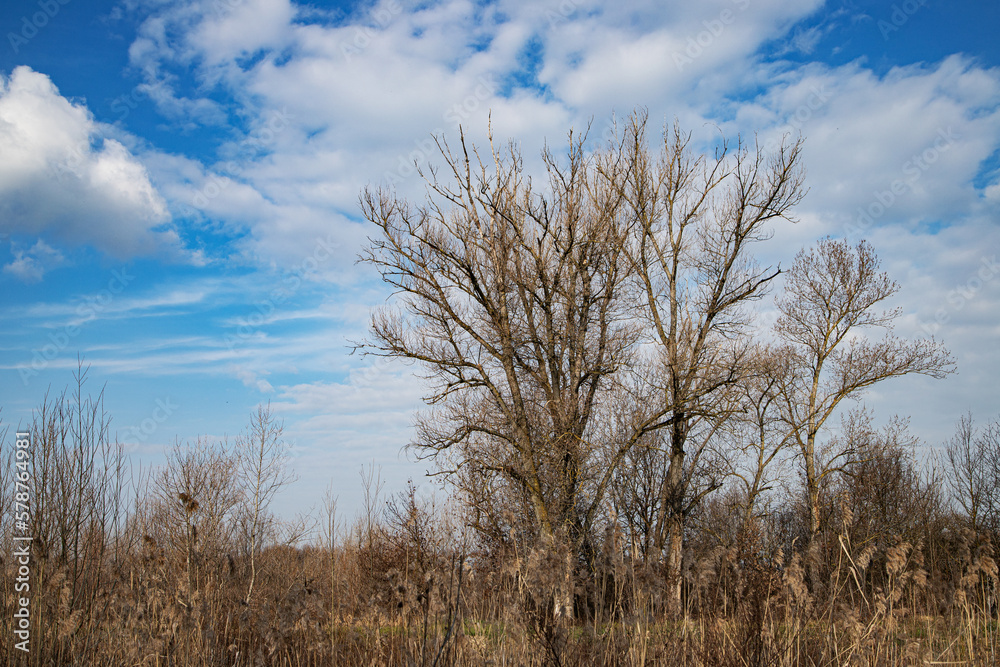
(383, 598)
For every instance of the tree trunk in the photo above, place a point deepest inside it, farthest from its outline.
(812, 487)
(563, 597)
(561, 592)
(670, 531)
(675, 552)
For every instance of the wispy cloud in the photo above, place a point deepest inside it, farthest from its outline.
(30, 265)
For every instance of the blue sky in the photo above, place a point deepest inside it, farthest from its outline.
(179, 183)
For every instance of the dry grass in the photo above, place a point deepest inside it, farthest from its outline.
(409, 594)
(153, 571)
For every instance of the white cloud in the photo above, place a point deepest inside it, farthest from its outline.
(900, 149)
(374, 406)
(30, 265)
(251, 379)
(61, 176)
(992, 194)
(110, 303)
(358, 99)
(927, 128)
(362, 96)
(238, 27)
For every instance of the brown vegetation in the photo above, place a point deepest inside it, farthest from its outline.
(905, 578)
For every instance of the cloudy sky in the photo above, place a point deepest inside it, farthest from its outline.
(179, 183)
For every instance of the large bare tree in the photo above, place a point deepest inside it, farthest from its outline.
(695, 222)
(510, 299)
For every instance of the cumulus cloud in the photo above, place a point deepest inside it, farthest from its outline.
(243, 28)
(60, 176)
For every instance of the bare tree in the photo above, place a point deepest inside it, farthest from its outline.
(510, 299)
(759, 436)
(696, 220)
(831, 296)
(974, 462)
(197, 495)
(884, 487)
(78, 476)
(261, 456)
(638, 479)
